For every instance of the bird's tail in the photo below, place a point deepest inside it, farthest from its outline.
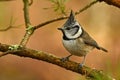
(103, 49)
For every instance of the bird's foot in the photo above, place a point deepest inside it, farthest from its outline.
(64, 59)
(81, 65)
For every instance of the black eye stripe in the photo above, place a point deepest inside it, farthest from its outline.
(68, 28)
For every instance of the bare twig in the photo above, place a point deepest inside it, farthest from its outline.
(31, 2)
(3, 54)
(93, 74)
(7, 52)
(50, 21)
(5, 29)
(26, 13)
(86, 7)
(10, 25)
(29, 28)
(65, 17)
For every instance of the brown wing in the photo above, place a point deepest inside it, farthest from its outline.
(89, 41)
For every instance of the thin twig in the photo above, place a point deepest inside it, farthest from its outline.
(65, 17)
(29, 28)
(10, 25)
(26, 13)
(3, 54)
(31, 2)
(50, 21)
(5, 29)
(86, 7)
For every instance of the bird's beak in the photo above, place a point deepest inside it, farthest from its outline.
(60, 29)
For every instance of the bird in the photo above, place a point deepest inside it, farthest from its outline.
(76, 40)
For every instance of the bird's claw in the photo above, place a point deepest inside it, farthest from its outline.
(81, 65)
(64, 59)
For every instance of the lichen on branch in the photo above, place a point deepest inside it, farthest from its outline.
(91, 74)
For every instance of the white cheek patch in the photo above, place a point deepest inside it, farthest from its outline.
(77, 34)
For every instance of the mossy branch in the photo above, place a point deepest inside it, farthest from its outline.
(91, 74)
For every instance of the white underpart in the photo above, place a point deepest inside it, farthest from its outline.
(77, 34)
(77, 47)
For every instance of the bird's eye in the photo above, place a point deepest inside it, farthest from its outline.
(68, 28)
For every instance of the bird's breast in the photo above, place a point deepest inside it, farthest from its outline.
(77, 47)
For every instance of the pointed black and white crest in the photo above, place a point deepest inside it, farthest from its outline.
(71, 29)
(71, 19)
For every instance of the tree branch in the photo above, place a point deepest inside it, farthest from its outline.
(112, 2)
(31, 2)
(86, 7)
(26, 13)
(10, 25)
(29, 27)
(50, 21)
(65, 17)
(93, 74)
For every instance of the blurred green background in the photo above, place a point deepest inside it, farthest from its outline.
(101, 21)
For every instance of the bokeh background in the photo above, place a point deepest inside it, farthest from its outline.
(101, 21)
